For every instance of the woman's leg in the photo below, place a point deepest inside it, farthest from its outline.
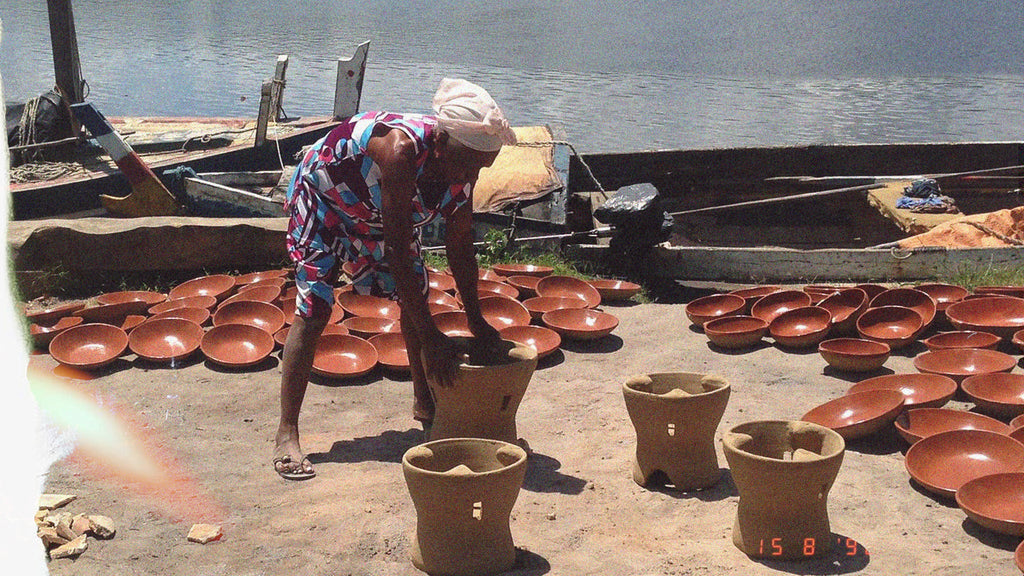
(423, 402)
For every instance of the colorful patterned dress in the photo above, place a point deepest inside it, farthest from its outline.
(335, 206)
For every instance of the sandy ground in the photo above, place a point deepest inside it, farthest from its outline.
(579, 511)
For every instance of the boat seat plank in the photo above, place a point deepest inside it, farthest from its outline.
(884, 200)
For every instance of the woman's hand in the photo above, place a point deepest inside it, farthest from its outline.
(487, 342)
(441, 357)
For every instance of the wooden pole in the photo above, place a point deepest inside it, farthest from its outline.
(277, 92)
(264, 118)
(67, 69)
(349, 84)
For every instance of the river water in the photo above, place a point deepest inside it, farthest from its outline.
(616, 75)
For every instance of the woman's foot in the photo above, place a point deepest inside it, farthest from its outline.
(289, 461)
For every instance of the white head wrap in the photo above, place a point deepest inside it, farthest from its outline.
(469, 114)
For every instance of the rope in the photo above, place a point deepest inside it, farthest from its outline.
(991, 232)
(578, 157)
(206, 137)
(40, 171)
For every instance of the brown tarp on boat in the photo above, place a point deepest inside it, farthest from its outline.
(990, 230)
(519, 173)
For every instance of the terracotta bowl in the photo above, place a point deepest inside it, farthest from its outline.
(264, 293)
(995, 502)
(42, 335)
(110, 313)
(441, 297)
(207, 302)
(253, 277)
(274, 282)
(501, 312)
(291, 292)
(893, 325)
(362, 305)
(442, 282)
(522, 270)
(49, 316)
(768, 307)
(999, 393)
(453, 323)
(754, 293)
(961, 339)
(801, 327)
(919, 390)
(1018, 556)
(1017, 422)
(1017, 434)
(219, 286)
(281, 335)
(959, 363)
(846, 306)
(165, 339)
(367, 326)
(943, 294)
(538, 305)
(1018, 339)
(568, 287)
(908, 298)
(197, 315)
(819, 292)
(944, 462)
(526, 285)
(131, 322)
(615, 290)
(1000, 315)
(1014, 291)
(236, 345)
(264, 316)
(854, 354)
(489, 275)
(483, 287)
(391, 351)
(735, 332)
(706, 308)
(543, 340)
(580, 323)
(871, 290)
(143, 299)
(918, 423)
(89, 346)
(343, 356)
(857, 415)
(437, 308)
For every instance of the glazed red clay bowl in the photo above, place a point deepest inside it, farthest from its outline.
(1018, 339)
(871, 290)
(801, 327)
(219, 286)
(526, 285)
(944, 462)
(365, 305)
(995, 502)
(485, 287)
(343, 356)
(197, 315)
(845, 306)
(615, 290)
(501, 312)
(961, 339)
(143, 299)
(131, 322)
(854, 354)
(522, 270)
(1000, 315)
(442, 282)
(254, 277)
(707, 308)
(768, 307)
(959, 363)
(943, 294)
(42, 335)
(89, 346)
(1017, 422)
(165, 339)
(262, 315)
(109, 313)
(207, 302)
(919, 390)
(538, 305)
(454, 323)
(391, 351)
(918, 423)
(489, 275)
(282, 335)
(753, 294)
(893, 325)
(1014, 291)
(49, 316)
(272, 282)
(368, 326)
(543, 340)
(999, 394)
(580, 323)
(908, 298)
(435, 296)
(263, 293)
(568, 287)
(858, 415)
(735, 332)
(236, 345)
(819, 292)
(437, 308)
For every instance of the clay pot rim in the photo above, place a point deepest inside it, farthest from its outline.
(932, 341)
(954, 311)
(815, 313)
(498, 444)
(554, 320)
(968, 415)
(921, 360)
(692, 305)
(222, 284)
(40, 330)
(778, 297)
(725, 388)
(1018, 556)
(253, 277)
(893, 397)
(731, 436)
(756, 291)
(941, 286)
(114, 331)
(587, 292)
(826, 346)
(150, 297)
(182, 324)
(186, 302)
(887, 312)
(714, 326)
(948, 387)
(522, 269)
(984, 438)
(504, 333)
(971, 384)
(1002, 479)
